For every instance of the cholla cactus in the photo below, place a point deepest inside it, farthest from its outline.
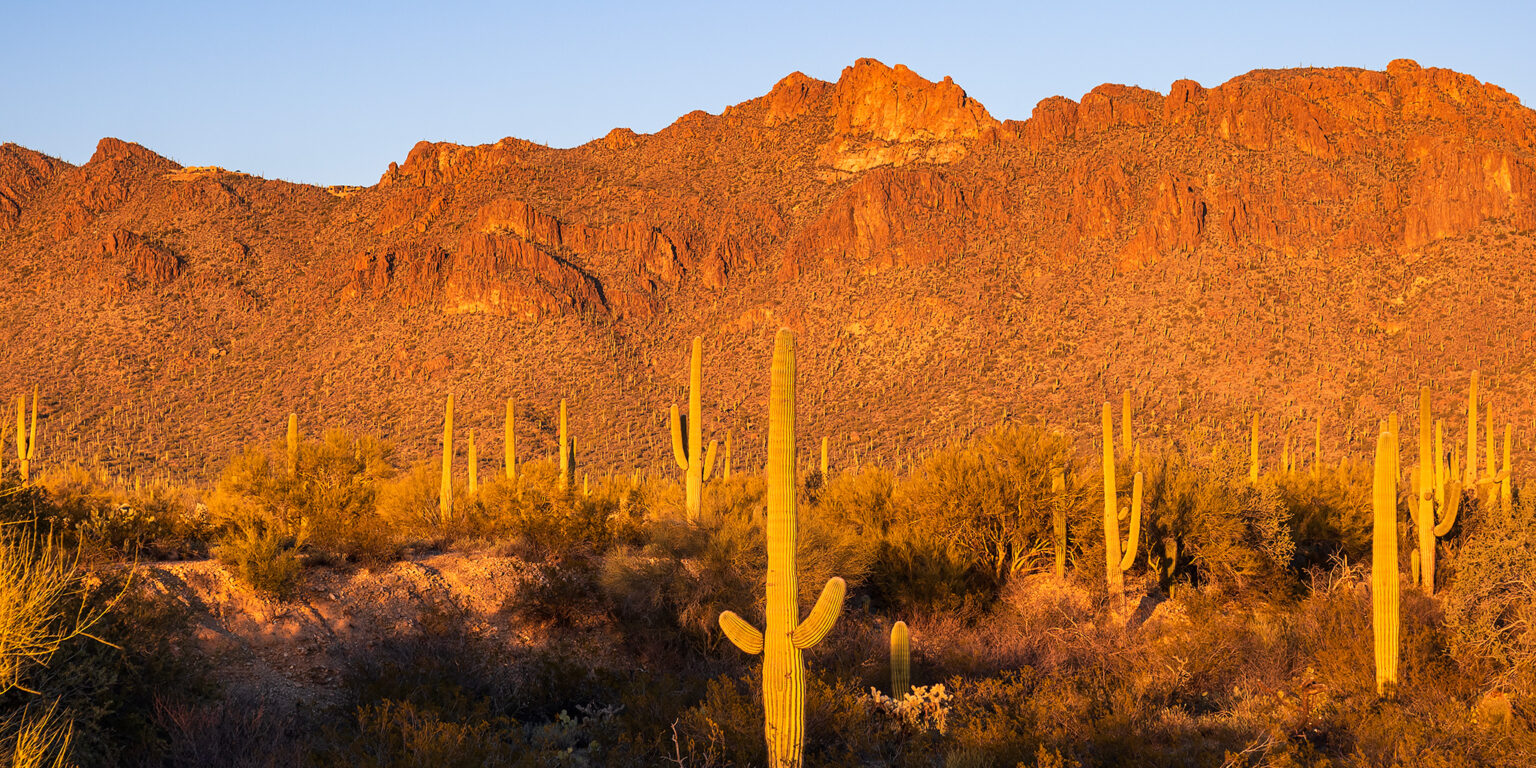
(784, 637)
(1115, 565)
(697, 465)
(1384, 593)
(901, 660)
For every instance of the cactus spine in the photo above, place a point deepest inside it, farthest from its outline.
(1059, 519)
(1384, 597)
(901, 660)
(445, 490)
(690, 456)
(474, 469)
(1116, 564)
(565, 449)
(509, 442)
(293, 444)
(785, 636)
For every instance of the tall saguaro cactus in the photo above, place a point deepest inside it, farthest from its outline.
(689, 450)
(1427, 497)
(1253, 451)
(474, 466)
(1471, 458)
(26, 440)
(445, 490)
(293, 444)
(901, 660)
(1116, 564)
(1126, 444)
(1384, 588)
(784, 637)
(509, 442)
(565, 449)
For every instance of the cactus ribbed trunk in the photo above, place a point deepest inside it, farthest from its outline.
(510, 443)
(1253, 451)
(445, 490)
(565, 450)
(23, 461)
(293, 444)
(727, 468)
(1317, 450)
(1471, 457)
(785, 636)
(901, 660)
(1506, 481)
(1112, 574)
(474, 466)
(1384, 574)
(825, 442)
(1424, 496)
(688, 449)
(1125, 423)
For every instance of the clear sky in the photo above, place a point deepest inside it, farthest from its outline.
(331, 92)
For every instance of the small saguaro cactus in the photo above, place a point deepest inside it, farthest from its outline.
(1317, 450)
(445, 490)
(1116, 564)
(825, 450)
(565, 449)
(1253, 451)
(1384, 592)
(474, 466)
(726, 469)
(784, 637)
(1059, 519)
(509, 442)
(1506, 483)
(26, 440)
(1471, 458)
(901, 660)
(293, 444)
(1126, 444)
(688, 450)
(1426, 498)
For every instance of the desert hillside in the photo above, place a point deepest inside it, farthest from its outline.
(1304, 242)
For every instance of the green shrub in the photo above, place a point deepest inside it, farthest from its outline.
(264, 556)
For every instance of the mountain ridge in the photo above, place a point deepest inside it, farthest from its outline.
(911, 236)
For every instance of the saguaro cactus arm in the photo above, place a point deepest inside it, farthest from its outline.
(679, 447)
(709, 461)
(1129, 557)
(822, 616)
(741, 634)
(1452, 506)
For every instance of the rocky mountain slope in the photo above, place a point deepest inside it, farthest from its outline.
(1307, 242)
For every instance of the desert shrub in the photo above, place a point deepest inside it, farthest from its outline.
(1224, 530)
(227, 733)
(330, 495)
(990, 497)
(399, 734)
(860, 500)
(543, 524)
(93, 509)
(264, 555)
(913, 575)
(1329, 513)
(1490, 602)
(408, 502)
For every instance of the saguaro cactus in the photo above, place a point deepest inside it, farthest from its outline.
(697, 466)
(1253, 451)
(1116, 564)
(565, 449)
(474, 466)
(1059, 519)
(26, 440)
(1426, 497)
(1384, 593)
(901, 660)
(1126, 444)
(293, 444)
(1317, 450)
(1506, 484)
(509, 442)
(727, 468)
(445, 490)
(825, 450)
(1471, 458)
(784, 637)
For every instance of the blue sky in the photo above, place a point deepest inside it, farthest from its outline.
(330, 93)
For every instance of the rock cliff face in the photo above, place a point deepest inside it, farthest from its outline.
(1335, 236)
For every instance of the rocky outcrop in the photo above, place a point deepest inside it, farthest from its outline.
(23, 173)
(136, 259)
(889, 218)
(109, 179)
(444, 162)
(794, 96)
(892, 116)
(652, 252)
